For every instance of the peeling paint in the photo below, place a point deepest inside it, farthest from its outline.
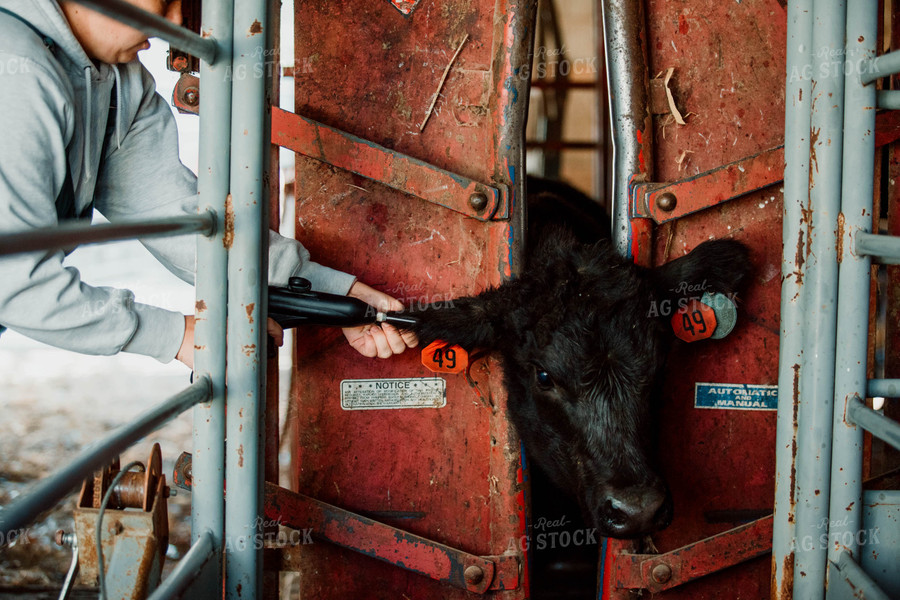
(228, 236)
(255, 28)
(200, 306)
(840, 237)
(249, 309)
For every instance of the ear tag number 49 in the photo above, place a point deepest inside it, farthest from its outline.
(695, 321)
(439, 357)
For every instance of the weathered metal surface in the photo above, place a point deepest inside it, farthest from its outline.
(717, 462)
(383, 165)
(448, 474)
(186, 95)
(390, 544)
(710, 188)
(134, 544)
(659, 572)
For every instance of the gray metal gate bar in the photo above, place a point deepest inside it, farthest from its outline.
(860, 585)
(889, 99)
(877, 424)
(50, 490)
(819, 250)
(858, 189)
(887, 388)
(884, 247)
(876, 68)
(208, 463)
(796, 194)
(156, 26)
(629, 93)
(246, 315)
(76, 234)
(189, 567)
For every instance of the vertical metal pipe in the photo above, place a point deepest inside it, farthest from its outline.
(246, 318)
(208, 463)
(796, 196)
(629, 95)
(815, 407)
(858, 189)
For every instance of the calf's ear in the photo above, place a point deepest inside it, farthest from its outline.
(716, 266)
(471, 322)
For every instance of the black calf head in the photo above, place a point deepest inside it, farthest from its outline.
(583, 351)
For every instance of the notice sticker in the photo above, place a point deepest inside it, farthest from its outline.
(381, 394)
(737, 396)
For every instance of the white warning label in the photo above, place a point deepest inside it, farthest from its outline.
(376, 394)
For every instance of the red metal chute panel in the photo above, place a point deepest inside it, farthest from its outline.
(723, 168)
(425, 214)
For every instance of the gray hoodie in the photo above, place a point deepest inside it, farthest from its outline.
(54, 107)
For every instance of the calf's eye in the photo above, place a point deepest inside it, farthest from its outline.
(543, 378)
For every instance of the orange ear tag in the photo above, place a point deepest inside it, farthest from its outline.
(438, 357)
(693, 322)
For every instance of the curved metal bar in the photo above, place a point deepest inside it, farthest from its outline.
(629, 92)
(54, 488)
(189, 567)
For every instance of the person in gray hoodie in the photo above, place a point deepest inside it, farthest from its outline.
(83, 128)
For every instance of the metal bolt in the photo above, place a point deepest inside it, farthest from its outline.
(666, 201)
(473, 575)
(661, 573)
(64, 539)
(191, 97)
(478, 201)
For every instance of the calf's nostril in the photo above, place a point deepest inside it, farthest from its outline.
(615, 517)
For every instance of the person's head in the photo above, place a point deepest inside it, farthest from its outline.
(106, 39)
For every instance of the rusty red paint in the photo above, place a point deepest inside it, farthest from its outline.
(395, 170)
(713, 187)
(718, 460)
(640, 141)
(738, 545)
(454, 468)
(390, 544)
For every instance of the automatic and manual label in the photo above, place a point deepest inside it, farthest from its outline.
(379, 394)
(738, 396)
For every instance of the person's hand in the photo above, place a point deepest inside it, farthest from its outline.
(186, 352)
(382, 340)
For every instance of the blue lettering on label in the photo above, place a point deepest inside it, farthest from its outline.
(736, 396)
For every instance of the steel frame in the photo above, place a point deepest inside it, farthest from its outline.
(231, 259)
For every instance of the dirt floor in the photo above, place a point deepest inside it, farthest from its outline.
(45, 420)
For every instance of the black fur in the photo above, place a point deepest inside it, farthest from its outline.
(583, 348)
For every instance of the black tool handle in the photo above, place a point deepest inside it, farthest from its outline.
(298, 305)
